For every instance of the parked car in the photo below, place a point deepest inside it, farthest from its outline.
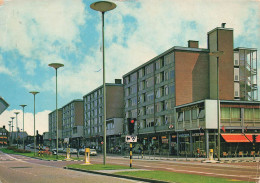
(73, 151)
(93, 152)
(82, 151)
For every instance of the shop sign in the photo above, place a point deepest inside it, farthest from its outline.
(163, 137)
(165, 141)
(174, 136)
(197, 134)
(154, 138)
(184, 135)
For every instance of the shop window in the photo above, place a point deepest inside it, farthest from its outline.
(235, 114)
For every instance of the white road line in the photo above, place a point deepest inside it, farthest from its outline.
(207, 173)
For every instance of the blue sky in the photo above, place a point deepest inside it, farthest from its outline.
(34, 33)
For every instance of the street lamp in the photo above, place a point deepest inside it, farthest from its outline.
(103, 6)
(56, 66)
(217, 54)
(34, 93)
(10, 123)
(12, 129)
(23, 106)
(16, 113)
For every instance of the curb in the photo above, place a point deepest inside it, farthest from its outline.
(198, 160)
(118, 176)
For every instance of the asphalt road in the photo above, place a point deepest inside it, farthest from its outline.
(20, 169)
(15, 168)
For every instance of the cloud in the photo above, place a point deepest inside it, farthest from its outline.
(41, 120)
(3, 68)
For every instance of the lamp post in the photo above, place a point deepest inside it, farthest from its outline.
(16, 113)
(56, 66)
(34, 139)
(23, 106)
(103, 6)
(217, 54)
(10, 123)
(12, 129)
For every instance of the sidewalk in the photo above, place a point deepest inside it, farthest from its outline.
(222, 160)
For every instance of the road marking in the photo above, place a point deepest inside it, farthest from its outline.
(208, 173)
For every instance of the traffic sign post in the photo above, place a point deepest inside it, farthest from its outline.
(131, 155)
(130, 138)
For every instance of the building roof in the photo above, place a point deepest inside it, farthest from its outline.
(75, 100)
(107, 84)
(175, 48)
(243, 48)
(3, 105)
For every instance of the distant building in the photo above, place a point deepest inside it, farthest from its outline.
(94, 115)
(53, 127)
(4, 137)
(72, 121)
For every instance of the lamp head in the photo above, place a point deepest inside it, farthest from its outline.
(56, 65)
(23, 105)
(103, 6)
(16, 113)
(34, 92)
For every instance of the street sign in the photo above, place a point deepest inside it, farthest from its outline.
(66, 140)
(130, 138)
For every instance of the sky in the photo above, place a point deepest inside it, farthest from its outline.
(35, 33)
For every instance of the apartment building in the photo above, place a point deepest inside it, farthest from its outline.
(183, 75)
(72, 122)
(53, 127)
(94, 115)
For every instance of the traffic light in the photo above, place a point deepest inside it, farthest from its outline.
(254, 138)
(131, 125)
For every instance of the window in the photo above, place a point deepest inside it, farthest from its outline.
(141, 85)
(150, 96)
(168, 59)
(133, 77)
(194, 114)
(158, 64)
(249, 114)
(171, 89)
(150, 109)
(186, 115)
(133, 89)
(149, 82)
(180, 116)
(201, 113)
(141, 73)
(126, 80)
(171, 74)
(166, 89)
(134, 101)
(235, 114)
(149, 69)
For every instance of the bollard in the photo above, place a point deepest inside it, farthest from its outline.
(210, 154)
(87, 152)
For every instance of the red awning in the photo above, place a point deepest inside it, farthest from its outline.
(240, 137)
(250, 137)
(235, 138)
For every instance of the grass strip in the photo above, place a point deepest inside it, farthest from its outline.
(176, 177)
(98, 167)
(31, 154)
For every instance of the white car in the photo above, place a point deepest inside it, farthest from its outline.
(93, 152)
(73, 151)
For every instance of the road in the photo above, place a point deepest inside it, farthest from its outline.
(15, 168)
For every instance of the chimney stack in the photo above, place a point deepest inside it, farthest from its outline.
(223, 25)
